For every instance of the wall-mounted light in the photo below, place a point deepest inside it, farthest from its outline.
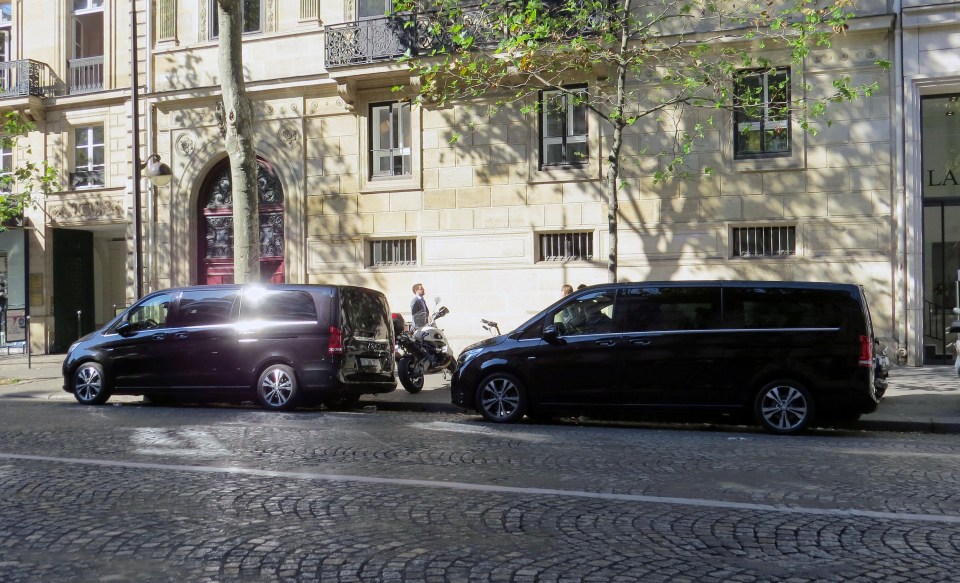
(158, 173)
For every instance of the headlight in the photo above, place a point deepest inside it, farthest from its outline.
(467, 355)
(72, 346)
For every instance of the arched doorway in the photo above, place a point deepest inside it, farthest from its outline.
(215, 232)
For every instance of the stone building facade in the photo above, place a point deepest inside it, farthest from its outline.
(481, 221)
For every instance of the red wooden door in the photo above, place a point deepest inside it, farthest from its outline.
(215, 230)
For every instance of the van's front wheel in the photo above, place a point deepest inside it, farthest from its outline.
(784, 407)
(277, 388)
(90, 384)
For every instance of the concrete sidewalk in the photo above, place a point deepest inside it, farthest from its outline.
(919, 399)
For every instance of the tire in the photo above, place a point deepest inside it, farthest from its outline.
(412, 382)
(502, 398)
(90, 384)
(277, 388)
(784, 407)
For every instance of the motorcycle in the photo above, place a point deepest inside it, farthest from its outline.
(422, 351)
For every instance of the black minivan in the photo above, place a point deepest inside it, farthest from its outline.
(784, 351)
(283, 344)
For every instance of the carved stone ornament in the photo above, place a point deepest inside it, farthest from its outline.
(221, 119)
(348, 95)
(99, 210)
(185, 144)
(289, 135)
(203, 20)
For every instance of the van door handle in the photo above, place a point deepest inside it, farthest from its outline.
(606, 342)
(159, 336)
(181, 335)
(640, 341)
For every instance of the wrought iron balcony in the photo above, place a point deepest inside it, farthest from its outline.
(372, 40)
(29, 78)
(86, 75)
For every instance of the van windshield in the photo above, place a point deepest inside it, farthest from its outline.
(364, 314)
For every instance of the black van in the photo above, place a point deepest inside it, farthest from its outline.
(285, 344)
(785, 351)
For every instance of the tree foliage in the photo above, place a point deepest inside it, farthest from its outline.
(674, 62)
(19, 187)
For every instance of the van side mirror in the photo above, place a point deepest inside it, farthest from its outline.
(126, 329)
(552, 334)
(955, 327)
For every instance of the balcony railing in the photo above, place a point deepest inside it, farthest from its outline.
(86, 75)
(86, 178)
(27, 77)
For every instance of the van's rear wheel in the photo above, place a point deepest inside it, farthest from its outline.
(277, 388)
(784, 407)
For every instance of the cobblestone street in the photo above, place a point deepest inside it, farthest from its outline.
(135, 493)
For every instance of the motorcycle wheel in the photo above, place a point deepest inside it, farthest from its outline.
(410, 376)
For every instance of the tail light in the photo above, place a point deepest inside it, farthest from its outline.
(866, 351)
(336, 341)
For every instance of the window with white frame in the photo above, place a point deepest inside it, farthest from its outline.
(81, 6)
(393, 252)
(252, 17)
(390, 139)
(373, 8)
(563, 127)
(88, 157)
(762, 113)
(6, 170)
(565, 246)
(766, 241)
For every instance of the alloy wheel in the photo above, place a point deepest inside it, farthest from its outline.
(501, 399)
(277, 387)
(784, 407)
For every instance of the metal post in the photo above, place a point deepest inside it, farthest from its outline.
(26, 286)
(79, 325)
(135, 112)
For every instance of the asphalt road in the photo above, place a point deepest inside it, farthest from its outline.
(146, 493)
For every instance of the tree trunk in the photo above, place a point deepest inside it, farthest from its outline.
(613, 159)
(238, 119)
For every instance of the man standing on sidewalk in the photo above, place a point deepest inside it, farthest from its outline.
(418, 306)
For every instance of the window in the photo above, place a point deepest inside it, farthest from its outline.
(766, 308)
(166, 20)
(80, 6)
(6, 170)
(88, 157)
(252, 17)
(651, 309)
(150, 313)
(393, 252)
(563, 128)
(278, 306)
(589, 314)
(566, 246)
(205, 307)
(374, 8)
(762, 116)
(390, 140)
(775, 241)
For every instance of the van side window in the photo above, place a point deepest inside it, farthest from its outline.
(149, 314)
(364, 314)
(589, 314)
(652, 309)
(201, 307)
(772, 308)
(278, 306)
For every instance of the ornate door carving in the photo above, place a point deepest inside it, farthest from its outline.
(215, 230)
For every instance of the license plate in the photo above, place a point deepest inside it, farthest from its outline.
(369, 363)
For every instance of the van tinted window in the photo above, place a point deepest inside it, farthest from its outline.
(278, 306)
(203, 307)
(649, 309)
(588, 314)
(761, 307)
(365, 314)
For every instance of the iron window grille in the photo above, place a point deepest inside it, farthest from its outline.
(566, 246)
(393, 252)
(563, 127)
(774, 241)
(762, 113)
(390, 138)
